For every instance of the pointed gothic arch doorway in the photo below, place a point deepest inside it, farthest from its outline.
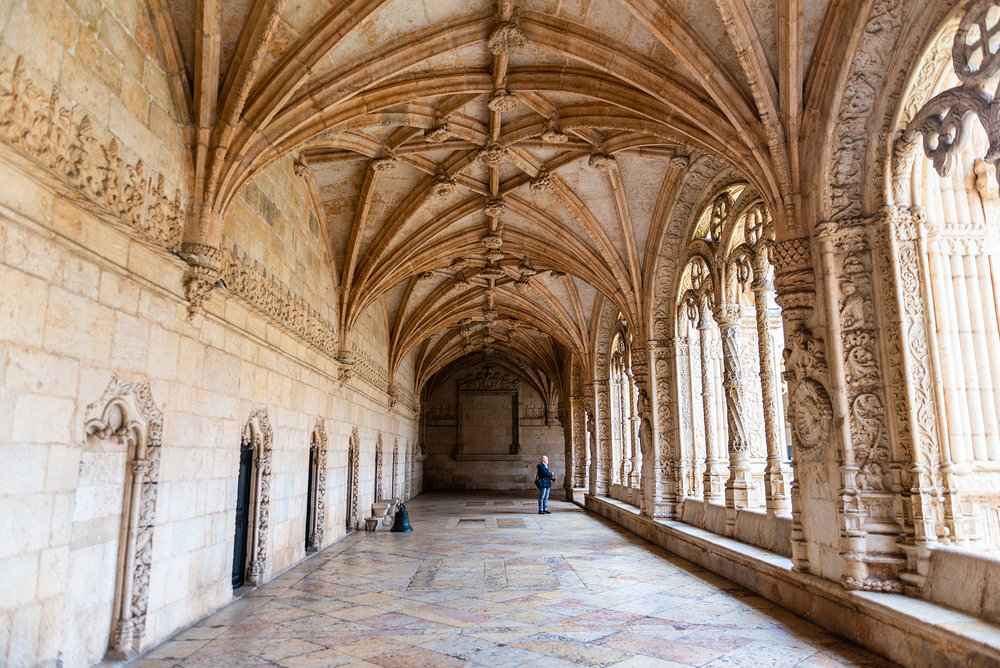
(252, 501)
(353, 471)
(316, 492)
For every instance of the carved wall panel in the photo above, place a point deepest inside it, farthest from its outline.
(126, 412)
(353, 476)
(378, 469)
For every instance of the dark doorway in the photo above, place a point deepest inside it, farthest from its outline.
(352, 485)
(311, 496)
(242, 515)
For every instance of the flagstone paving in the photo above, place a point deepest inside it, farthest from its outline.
(510, 589)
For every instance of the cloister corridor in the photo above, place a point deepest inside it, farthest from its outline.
(483, 580)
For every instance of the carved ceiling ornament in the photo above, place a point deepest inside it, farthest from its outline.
(507, 37)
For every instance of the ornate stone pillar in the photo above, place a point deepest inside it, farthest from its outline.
(809, 413)
(664, 454)
(714, 468)
(644, 458)
(776, 473)
(578, 425)
(739, 484)
(601, 463)
(590, 412)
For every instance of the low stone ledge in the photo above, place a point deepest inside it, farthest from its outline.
(909, 631)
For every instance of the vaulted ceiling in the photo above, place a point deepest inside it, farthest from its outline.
(492, 173)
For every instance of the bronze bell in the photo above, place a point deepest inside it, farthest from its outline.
(402, 520)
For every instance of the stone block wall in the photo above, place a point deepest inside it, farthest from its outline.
(474, 468)
(83, 302)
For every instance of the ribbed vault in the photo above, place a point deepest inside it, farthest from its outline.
(490, 173)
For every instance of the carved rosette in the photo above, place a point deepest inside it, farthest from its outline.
(541, 182)
(600, 161)
(126, 411)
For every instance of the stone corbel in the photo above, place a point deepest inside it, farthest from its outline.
(347, 362)
(202, 275)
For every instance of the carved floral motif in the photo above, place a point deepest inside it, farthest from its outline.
(62, 139)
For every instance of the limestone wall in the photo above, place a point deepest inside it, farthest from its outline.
(84, 301)
(482, 425)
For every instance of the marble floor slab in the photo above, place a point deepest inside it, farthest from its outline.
(510, 588)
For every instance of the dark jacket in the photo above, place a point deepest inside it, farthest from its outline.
(544, 475)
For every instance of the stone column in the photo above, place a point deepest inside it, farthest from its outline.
(601, 463)
(739, 484)
(776, 473)
(579, 426)
(714, 474)
(591, 423)
(805, 371)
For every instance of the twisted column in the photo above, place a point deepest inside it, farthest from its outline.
(739, 485)
(714, 480)
(776, 472)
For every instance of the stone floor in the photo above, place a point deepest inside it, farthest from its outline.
(486, 581)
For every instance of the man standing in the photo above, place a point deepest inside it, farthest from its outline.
(543, 481)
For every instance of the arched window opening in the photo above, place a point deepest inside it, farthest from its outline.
(253, 501)
(626, 455)
(945, 259)
(733, 429)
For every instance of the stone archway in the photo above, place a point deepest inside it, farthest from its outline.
(353, 472)
(125, 418)
(257, 436)
(316, 511)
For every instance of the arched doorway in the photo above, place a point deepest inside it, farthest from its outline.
(353, 466)
(253, 498)
(316, 492)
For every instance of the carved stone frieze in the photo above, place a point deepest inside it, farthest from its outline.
(64, 141)
(866, 407)
(809, 410)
